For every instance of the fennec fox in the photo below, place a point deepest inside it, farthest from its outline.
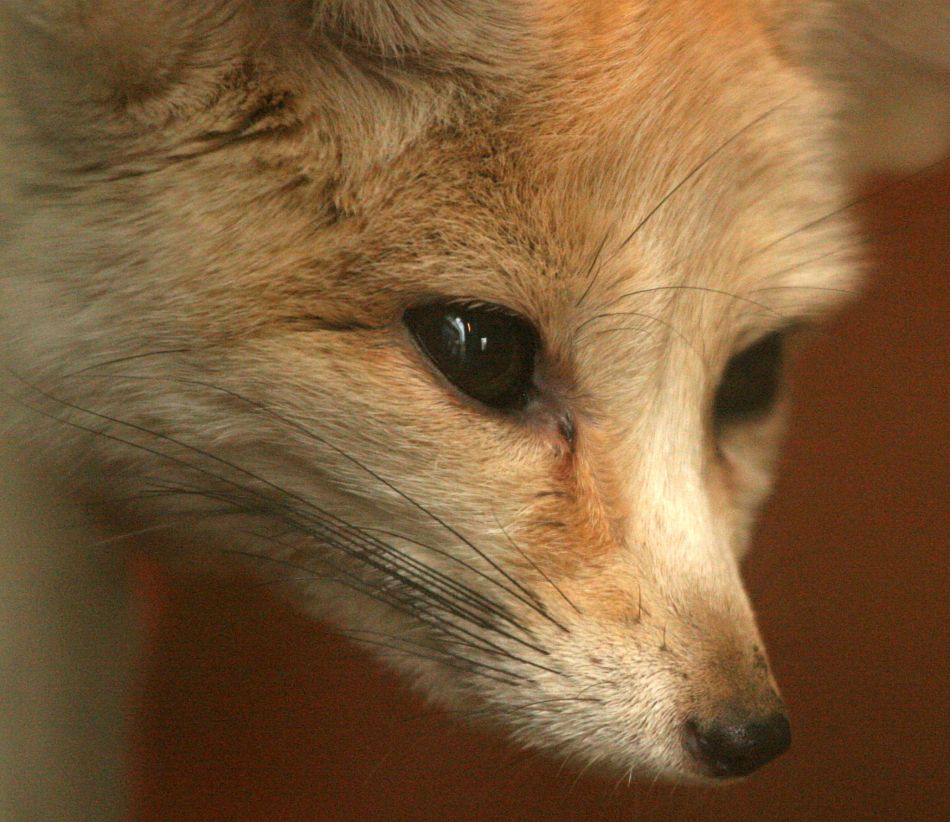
(468, 319)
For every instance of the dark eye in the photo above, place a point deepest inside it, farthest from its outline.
(485, 350)
(751, 382)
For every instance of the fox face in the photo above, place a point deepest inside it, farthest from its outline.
(468, 324)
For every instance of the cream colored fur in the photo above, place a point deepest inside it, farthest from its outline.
(213, 219)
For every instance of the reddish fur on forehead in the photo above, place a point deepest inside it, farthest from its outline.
(601, 25)
(662, 80)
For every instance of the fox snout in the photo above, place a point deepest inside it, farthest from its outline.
(736, 742)
(730, 726)
(732, 719)
(739, 722)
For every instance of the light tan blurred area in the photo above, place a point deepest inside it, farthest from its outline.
(892, 57)
(67, 643)
(254, 713)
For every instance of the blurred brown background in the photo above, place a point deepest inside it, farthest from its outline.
(253, 713)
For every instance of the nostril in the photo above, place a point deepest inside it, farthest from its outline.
(728, 748)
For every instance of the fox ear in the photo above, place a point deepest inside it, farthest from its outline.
(65, 60)
(889, 61)
(483, 35)
(76, 65)
(109, 46)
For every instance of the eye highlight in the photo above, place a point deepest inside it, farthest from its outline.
(750, 384)
(486, 351)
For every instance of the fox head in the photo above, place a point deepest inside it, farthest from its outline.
(466, 319)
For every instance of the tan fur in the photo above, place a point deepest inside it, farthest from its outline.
(208, 244)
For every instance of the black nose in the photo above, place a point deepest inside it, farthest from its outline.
(736, 747)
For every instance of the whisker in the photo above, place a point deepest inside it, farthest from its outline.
(526, 596)
(535, 566)
(343, 530)
(662, 322)
(393, 566)
(504, 614)
(141, 429)
(521, 708)
(138, 532)
(388, 569)
(469, 639)
(392, 573)
(696, 170)
(875, 193)
(591, 276)
(355, 583)
(391, 570)
(704, 289)
(129, 358)
(468, 665)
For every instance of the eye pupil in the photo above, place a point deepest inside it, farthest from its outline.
(751, 381)
(486, 351)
